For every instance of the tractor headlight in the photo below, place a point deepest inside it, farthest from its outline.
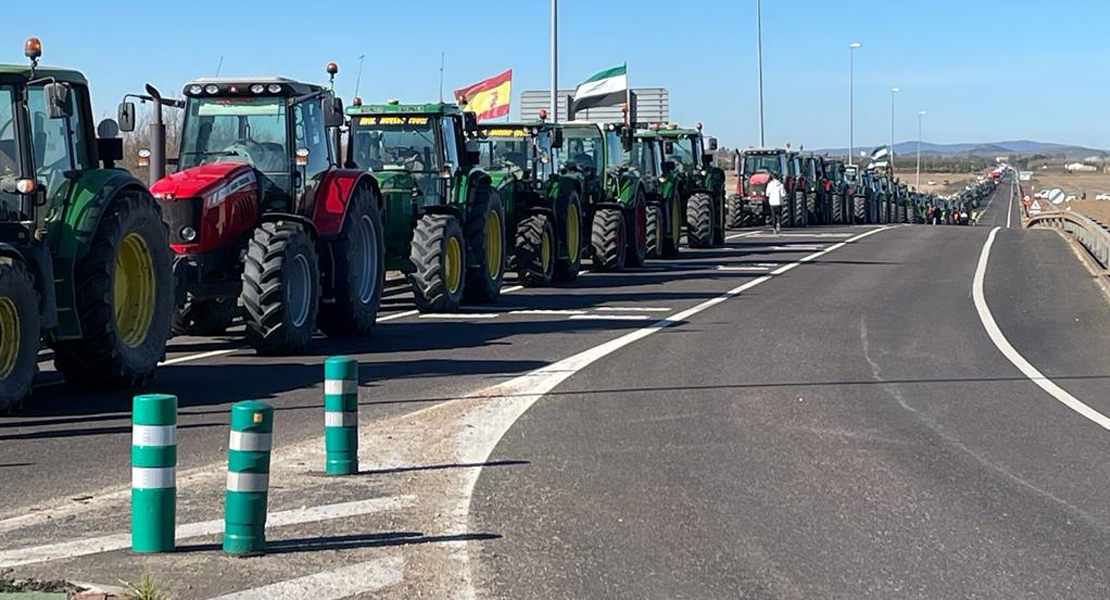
(188, 233)
(211, 89)
(274, 88)
(258, 88)
(195, 90)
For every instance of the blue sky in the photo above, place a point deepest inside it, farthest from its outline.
(985, 70)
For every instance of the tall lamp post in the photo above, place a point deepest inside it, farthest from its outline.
(852, 102)
(759, 66)
(893, 92)
(555, 62)
(920, 115)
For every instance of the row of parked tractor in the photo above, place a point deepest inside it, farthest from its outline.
(286, 208)
(825, 191)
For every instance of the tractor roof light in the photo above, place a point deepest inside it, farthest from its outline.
(356, 101)
(211, 89)
(332, 69)
(274, 88)
(25, 186)
(196, 89)
(543, 114)
(698, 126)
(32, 49)
(257, 88)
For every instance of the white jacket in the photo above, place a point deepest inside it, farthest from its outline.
(776, 192)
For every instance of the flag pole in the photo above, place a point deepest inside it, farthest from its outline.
(442, 56)
(555, 62)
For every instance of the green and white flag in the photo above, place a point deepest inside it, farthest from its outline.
(607, 88)
(880, 157)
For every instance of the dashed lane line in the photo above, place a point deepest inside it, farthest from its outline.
(633, 309)
(610, 317)
(359, 578)
(119, 541)
(755, 268)
(460, 316)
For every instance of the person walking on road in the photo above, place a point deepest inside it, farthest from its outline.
(775, 194)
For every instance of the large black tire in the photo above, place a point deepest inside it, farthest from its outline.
(204, 317)
(636, 232)
(811, 210)
(799, 206)
(571, 238)
(281, 288)
(838, 210)
(859, 209)
(19, 333)
(607, 239)
(357, 277)
(535, 251)
(672, 235)
(121, 345)
(654, 232)
(438, 255)
(485, 239)
(699, 221)
(719, 221)
(734, 212)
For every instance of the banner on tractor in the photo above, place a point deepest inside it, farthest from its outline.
(607, 88)
(489, 98)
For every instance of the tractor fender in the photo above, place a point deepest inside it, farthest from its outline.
(443, 209)
(334, 194)
(273, 217)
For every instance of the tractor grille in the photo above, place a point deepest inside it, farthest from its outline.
(180, 213)
(756, 189)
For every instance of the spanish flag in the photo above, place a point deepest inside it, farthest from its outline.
(488, 98)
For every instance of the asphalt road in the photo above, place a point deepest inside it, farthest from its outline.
(787, 417)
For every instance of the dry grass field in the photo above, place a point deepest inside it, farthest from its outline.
(1092, 184)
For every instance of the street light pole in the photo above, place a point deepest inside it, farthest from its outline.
(893, 91)
(555, 62)
(920, 114)
(852, 102)
(759, 66)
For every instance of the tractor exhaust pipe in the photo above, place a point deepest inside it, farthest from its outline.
(157, 138)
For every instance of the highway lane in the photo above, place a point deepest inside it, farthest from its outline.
(848, 431)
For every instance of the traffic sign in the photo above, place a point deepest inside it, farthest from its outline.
(1035, 208)
(1056, 196)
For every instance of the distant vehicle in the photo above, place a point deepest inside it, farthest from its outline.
(930, 182)
(1102, 197)
(1071, 198)
(1041, 194)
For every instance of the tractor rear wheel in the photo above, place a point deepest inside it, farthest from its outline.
(700, 232)
(485, 237)
(811, 210)
(19, 332)
(281, 288)
(358, 256)
(653, 232)
(734, 210)
(838, 210)
(636, 232)
(124, 292)
(204, 317)
(799, 209)
(859, 209)
(673, 237)
(535, 250)
(607, 239)
(438, 254)
(566, 269)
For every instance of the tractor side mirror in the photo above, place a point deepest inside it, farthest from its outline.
(668, 147)
(57, 100)
(109, 146)
(557, 139)
(126, 114)
(711, 144)
(333, 113)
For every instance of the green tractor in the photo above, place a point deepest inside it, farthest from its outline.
(701, 186)
(444, 221)
(614, 197)
(85, 261)
(543, 207)
(665, 212)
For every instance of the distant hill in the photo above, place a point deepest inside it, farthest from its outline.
(991, 149)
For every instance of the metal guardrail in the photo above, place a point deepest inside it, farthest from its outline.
(1091, 234)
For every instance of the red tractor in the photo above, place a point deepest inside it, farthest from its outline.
(261, 212)
(756, 165)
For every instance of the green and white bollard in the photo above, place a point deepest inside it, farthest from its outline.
(153, 478)
(341, 415)
(248, 478)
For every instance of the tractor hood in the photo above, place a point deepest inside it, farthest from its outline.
(394, 178)
(759, 178)
(198, 181)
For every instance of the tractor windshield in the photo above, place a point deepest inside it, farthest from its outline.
(245, 130)
(761, 163)
(504, 148)
(682, 153)
(395, 143)
(643, 158)
(9, 155)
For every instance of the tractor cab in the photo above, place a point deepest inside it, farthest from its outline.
(684, 150)
(525, 151)
(644, 156)
(417, 146)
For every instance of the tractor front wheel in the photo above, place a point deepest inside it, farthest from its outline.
(608, 239)
(281, 288)
(654, 232)
(699, 221)
(485, 237)
(535, 250)
(439, 257)
(719, 221)
(636, 232)
(124, 292)
(19, 332)
(734, 212)
(358, 256)
(673, 237)
(204, 317)
(566, 269)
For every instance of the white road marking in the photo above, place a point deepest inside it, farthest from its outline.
(611, 317)
(1010, 207)
(807, 235)
(634, 309)
(461, 315)
(505, 403)
(1011, 354)
(400, 315)
(119, 541)
(745, 268)
(359, 578)
(745, 234)
(512, 289)
(547, 311)
(797, 247)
